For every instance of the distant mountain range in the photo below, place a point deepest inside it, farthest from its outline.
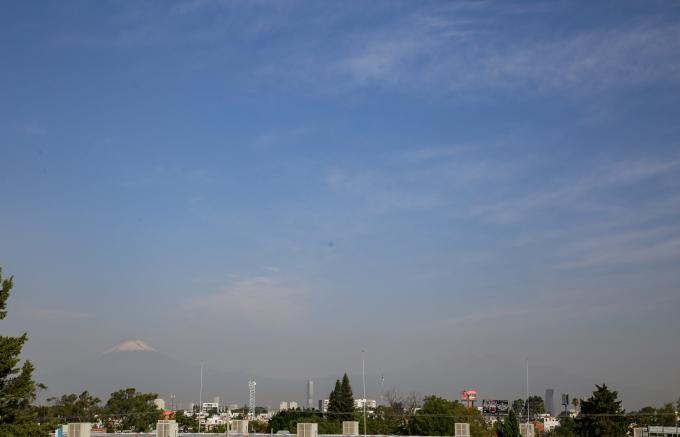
(133, 363)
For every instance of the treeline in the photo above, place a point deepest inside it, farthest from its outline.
(434, 416)
(126, 410)
(600, 414)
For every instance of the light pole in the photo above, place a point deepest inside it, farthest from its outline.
(527, 425)
(200, 401)
(363, 377)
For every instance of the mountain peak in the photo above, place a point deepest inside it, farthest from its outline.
(131, 346)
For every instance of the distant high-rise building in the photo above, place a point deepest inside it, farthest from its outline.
(310, 394)
(216, 400)
(283, 406)
(371, 404)
(565, 401)
(548, 401)
(323, 405)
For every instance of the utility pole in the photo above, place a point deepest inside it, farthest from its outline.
(363, 377)
(527, 426)
(200, 401)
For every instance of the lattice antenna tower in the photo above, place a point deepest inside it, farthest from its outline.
(251, 402)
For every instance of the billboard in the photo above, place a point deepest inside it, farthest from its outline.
(468, 395)
(495, 407)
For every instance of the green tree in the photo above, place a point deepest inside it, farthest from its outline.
(509, 427)
(17, 388)
(334, 402)
(646, 416)
(566, 428)
(601, 415)
(438, 416)
(390, 419)
(75, 408)
(129, 410)
(666, 415)
(341, 400)
(288, 420)
(186, 423)
(346, 396)
(536, 406)
(518, 407)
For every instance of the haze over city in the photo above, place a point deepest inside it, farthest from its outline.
(272, 187)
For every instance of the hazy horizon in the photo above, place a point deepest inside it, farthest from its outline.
(271, 187)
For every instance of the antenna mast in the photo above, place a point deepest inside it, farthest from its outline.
(251, 402)
(200, 401)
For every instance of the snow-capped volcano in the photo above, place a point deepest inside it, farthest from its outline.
(130, 346)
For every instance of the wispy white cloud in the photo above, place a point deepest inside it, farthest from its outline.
(454, 52)
(262, 299)
(573, 191)
(623, 248)
(454, 55)
(448, 48)
(556, 306)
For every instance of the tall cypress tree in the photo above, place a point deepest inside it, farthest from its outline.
(17, 389)
(334, 401)
(601, 415)
(346, 396)
(509, 427)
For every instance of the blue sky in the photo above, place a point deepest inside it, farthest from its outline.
(373, 175)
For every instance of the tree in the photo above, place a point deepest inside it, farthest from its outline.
(601, 415)
(341, 400)
(288, 419)
(186, 423)
(129, 410)
(334, 403)
(438, 416)
(666, 415)
(17, 388)
(518, 407)
(536, 406)
(509, 427)
(346, 396)
(75, 408)
(566, 428)
(646, 416)
(391, 418)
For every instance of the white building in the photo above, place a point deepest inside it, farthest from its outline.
(323, 405)
(657, 431)
(214, 421)
(207, 406)
(550, 423)
(370, 403)
(287, 405)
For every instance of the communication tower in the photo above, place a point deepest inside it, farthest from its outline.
(251, 402)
